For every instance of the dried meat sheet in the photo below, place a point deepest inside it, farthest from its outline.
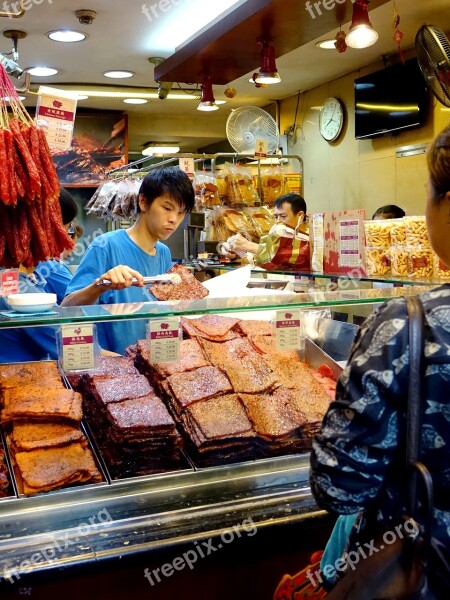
(213, 327)
(189, 288)
(200, 384)
(220, 417)
(244, 368)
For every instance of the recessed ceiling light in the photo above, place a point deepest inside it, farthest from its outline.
(66, 35)
(42, 71)
(326, 44)
(118, 74)
(135, 101)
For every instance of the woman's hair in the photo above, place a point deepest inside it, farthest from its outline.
(79, 230)
(69, 209)
(439, 164)
(389, 211)
(295, 200)
(171, 181)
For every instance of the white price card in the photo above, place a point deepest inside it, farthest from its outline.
(261, 148)
(77, 347)
(187, 165)
(288, 330)
(55, 114)
(349, 243)
(164, 339)
(9, 283)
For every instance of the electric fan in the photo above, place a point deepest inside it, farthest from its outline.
(433, 55)
(246, 125)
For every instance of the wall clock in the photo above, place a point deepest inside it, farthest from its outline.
(331, 119)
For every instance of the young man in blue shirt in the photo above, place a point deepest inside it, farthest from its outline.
(165, 197)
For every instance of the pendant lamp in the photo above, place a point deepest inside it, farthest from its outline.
(361, 34)
(268, 71)
(207, 101)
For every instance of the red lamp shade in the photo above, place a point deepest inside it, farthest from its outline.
(268, 71)
(361, 34)
(207, 101)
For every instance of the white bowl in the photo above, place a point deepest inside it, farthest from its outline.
(31, 303)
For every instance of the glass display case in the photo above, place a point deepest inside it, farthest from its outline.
(84, 524)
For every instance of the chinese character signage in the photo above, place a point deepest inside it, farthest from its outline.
(288, 330)
(77, 347)
(187, 165)
(261, 148)
(9, 283)
(55, 114)
(164, 339)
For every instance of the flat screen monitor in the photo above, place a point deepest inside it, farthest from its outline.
(390, 100)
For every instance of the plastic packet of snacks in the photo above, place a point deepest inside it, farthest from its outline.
(439, 268)
(416, 231)
(241, 190)
(273, 184)
(420, 262)
(378, 233)
(206, 191)
(378, 261)
(399, 261)
(397, 232)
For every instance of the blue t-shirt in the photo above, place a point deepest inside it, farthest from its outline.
(27, 343)
(57, 276)
(110, 250)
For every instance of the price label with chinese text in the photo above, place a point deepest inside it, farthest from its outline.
(9, 283)
(261, 148)
(289, 330)
(187, 165)
(164, 340)
(55, 114)
(77, 347)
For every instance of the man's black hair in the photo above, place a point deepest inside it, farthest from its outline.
(296, 201)
(171, 181)
(69, 209)
(389, 211)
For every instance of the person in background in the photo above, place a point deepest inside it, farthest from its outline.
(51, 276)
(389, 211)
(55, 272)
(357, 458)
(290, 210)
(123, 257)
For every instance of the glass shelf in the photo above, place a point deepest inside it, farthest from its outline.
(147, 310)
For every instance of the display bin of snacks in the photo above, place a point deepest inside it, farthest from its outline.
(416, 231)
(399, 261)
(420, 262)
(377, 233)
(439, 268)
(397, 232)
(378, 261)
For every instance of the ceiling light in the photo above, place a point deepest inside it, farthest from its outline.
(82, 97)
(152, 150)
(268, 71)
(135, 101)
(361, 34)
(42, 71)
(118, 74)
(221, 101)
(207, 101)
(108, 93)
(326, 44)
(66, 35)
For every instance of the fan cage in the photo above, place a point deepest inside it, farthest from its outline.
(247, 124)
(433, 53)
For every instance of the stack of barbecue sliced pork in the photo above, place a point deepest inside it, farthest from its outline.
(133, 428)
(233, 395)
(41, 418)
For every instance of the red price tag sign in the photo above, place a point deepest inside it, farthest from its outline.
(187, 165)
(9, 282)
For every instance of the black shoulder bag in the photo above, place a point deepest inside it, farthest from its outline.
(405, 562)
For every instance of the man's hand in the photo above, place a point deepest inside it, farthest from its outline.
(121, 277)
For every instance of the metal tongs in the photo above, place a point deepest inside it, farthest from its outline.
(173, 278)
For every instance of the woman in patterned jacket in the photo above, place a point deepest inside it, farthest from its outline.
(357, 459)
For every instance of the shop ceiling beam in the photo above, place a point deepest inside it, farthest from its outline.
(228, 49)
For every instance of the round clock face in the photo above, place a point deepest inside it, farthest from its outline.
(331, 119)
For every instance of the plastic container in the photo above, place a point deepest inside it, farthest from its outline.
(378, 261)
(399, 261)
(377, 233)
(439, 268)
(420, 262)
(416, 231)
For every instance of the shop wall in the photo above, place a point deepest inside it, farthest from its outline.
(353, 173)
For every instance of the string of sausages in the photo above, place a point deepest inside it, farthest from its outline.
(31, 227)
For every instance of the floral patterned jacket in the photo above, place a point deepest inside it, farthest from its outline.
(358, 456)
